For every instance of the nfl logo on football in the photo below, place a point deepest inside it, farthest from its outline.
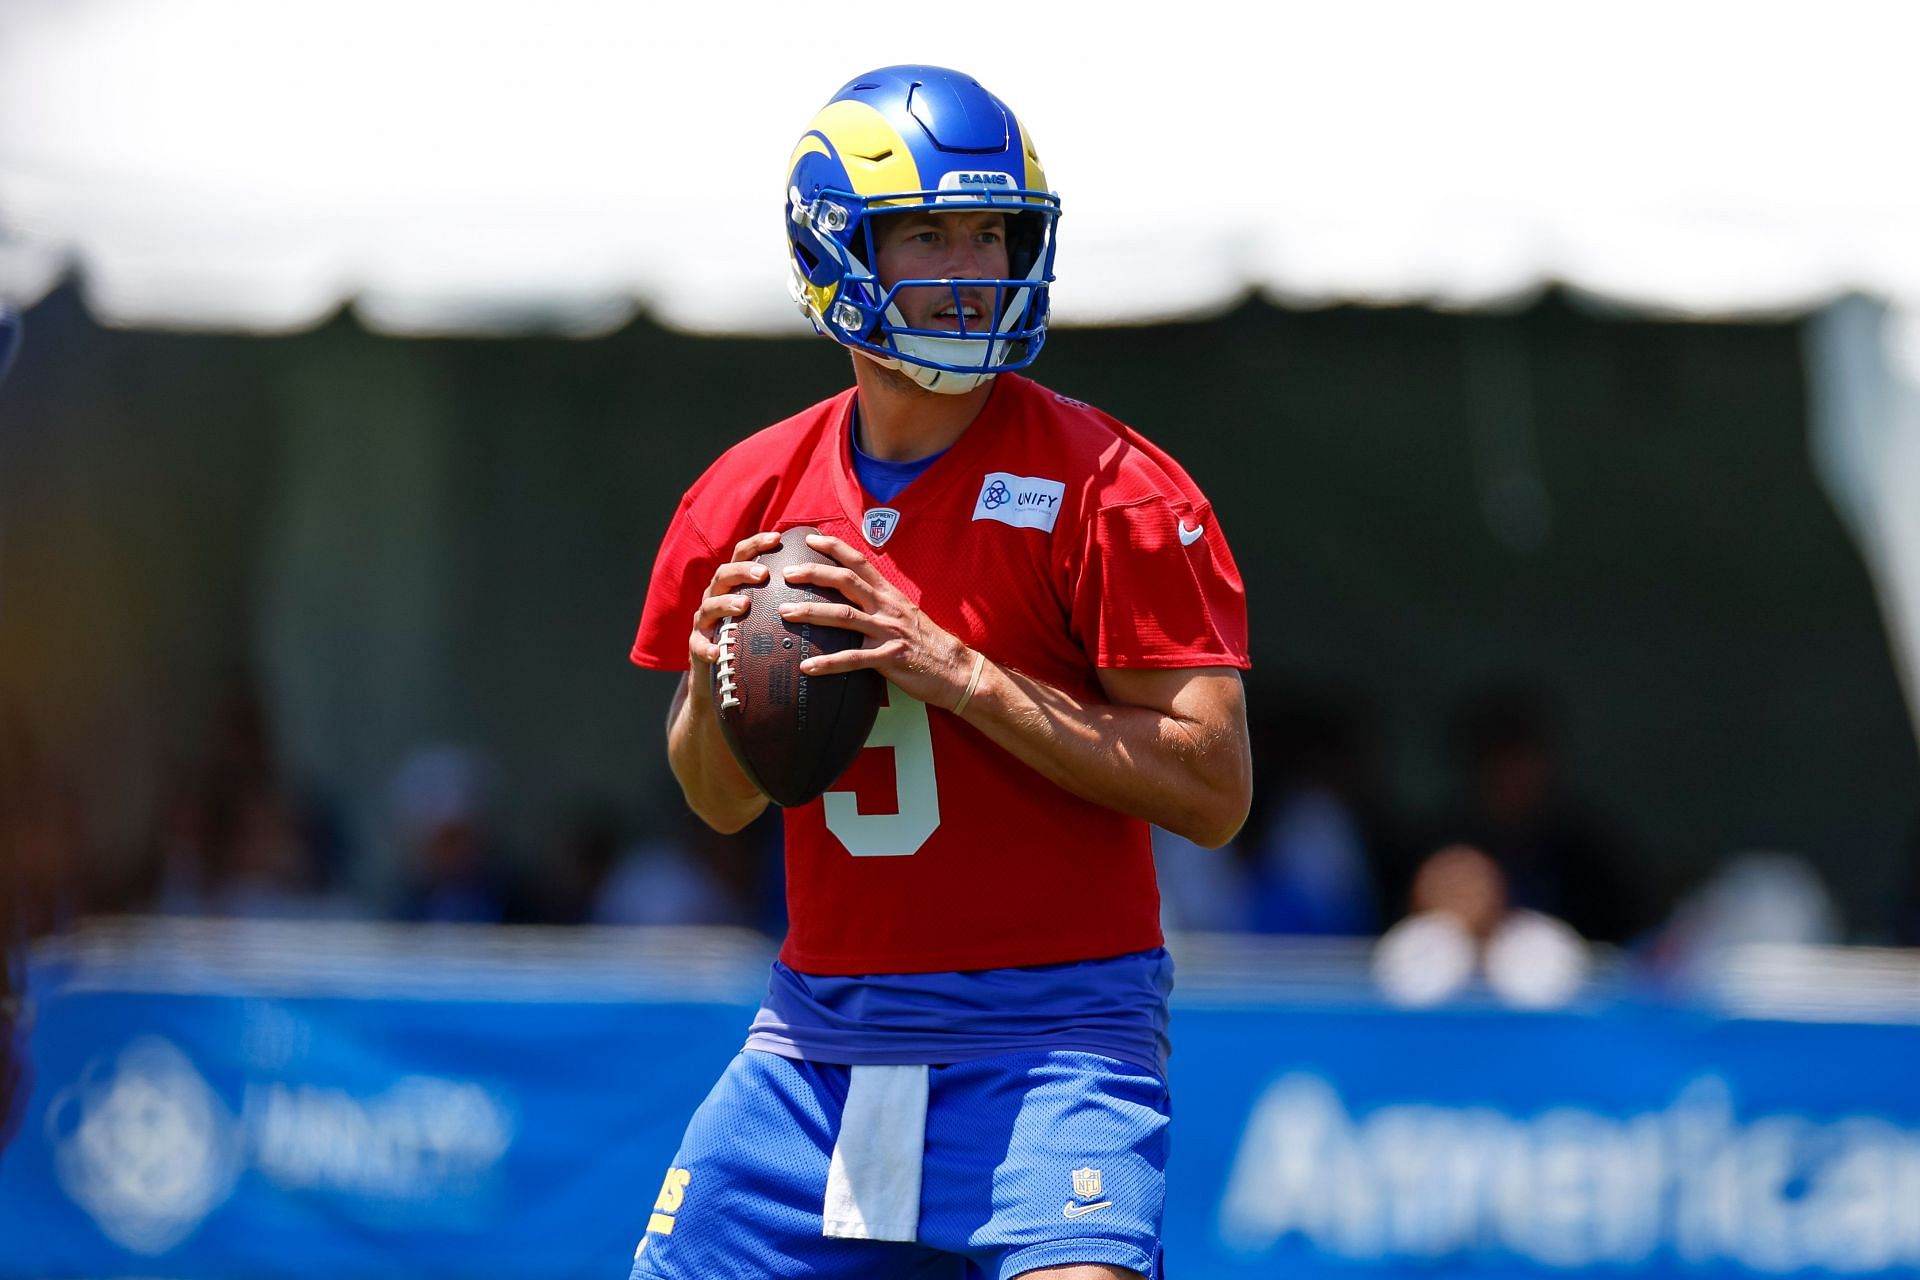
(879, 523)
(1086, 1184)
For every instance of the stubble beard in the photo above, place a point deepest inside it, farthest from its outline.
(892, 381)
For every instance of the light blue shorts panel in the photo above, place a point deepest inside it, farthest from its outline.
(1031, 1160)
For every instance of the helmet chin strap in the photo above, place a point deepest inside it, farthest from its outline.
(918, 347)
(939, 380)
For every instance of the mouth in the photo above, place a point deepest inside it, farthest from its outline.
(965, 315)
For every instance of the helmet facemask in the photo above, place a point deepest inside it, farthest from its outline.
(864, 314)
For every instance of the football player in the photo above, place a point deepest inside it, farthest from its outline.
(959, 1068)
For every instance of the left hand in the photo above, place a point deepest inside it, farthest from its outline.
(915, 654)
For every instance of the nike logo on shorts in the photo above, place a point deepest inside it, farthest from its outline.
(1190, 536)
(1082, 1210)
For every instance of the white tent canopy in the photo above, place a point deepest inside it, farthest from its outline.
(563, 165)
(471, 166)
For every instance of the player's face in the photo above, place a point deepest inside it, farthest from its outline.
(968, 244)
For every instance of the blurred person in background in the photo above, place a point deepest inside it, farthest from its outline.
(1755, 898)
(232, 838)
(1555, 855)
(442, 806)
(965, 1030)
(580, 855)
(681, 872)
(1202, 890)
(185, 850)
(275, 870)
(1463, 932)
(1317, 861)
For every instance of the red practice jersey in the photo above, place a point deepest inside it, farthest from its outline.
(1052, 538)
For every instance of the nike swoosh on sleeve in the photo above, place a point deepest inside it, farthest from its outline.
(1190, 536)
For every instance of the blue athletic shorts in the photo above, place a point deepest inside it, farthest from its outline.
(1030, 1160)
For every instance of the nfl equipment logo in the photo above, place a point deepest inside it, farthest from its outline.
(1086, 1184)
(879, 524)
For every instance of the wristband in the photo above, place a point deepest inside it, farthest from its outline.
(973, 682)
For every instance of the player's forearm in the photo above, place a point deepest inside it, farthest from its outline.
(1193, 778)
(716, 789)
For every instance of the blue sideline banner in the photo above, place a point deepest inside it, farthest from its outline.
(1339, 1142)
(454, 1112)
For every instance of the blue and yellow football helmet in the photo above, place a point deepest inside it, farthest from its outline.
(918, 138)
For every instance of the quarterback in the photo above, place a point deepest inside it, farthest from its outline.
(959, 1067)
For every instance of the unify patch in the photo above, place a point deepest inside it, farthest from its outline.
(1025, 502)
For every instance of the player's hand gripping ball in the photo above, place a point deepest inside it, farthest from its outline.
(793, 734)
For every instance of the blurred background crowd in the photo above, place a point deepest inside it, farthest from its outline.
(1520, 851)
(1328, 851)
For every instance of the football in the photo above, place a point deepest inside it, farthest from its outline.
(793, 734)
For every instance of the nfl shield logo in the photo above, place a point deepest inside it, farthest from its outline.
(879, 524)
(1086, 1184)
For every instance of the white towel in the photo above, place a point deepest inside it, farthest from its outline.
(873, 1179)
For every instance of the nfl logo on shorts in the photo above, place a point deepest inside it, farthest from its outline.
(1086, 1184)
(878, 524)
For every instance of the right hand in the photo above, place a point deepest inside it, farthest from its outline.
(724, 599)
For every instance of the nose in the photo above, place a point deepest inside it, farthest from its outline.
(964, 259)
